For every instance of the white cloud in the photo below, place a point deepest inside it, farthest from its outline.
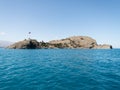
(2, 33)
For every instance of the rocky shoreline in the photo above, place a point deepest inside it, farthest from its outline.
(80, 42)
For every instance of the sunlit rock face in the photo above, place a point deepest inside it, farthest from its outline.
(76, 42)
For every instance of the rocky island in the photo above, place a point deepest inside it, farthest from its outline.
(80, 42)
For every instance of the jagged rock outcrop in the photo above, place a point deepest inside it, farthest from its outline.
(82, 42)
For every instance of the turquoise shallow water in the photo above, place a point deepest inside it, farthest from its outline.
(59, 69)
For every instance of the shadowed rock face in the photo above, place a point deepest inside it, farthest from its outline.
(71, 42)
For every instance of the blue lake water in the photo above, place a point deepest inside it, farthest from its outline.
(59, 69)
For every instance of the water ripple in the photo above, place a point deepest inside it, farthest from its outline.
(59, 69)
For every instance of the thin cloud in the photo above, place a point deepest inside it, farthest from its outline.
(2, 33)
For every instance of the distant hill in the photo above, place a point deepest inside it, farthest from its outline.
(5, 43)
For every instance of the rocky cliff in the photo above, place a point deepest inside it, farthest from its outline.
(25, 44)
(81, 42)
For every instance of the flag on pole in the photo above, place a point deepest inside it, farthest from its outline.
(29, 32)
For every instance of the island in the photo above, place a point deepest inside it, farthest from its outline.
(79, 42)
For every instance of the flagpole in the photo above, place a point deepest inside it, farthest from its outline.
(29, 33)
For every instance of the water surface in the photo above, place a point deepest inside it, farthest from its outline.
(59, 69)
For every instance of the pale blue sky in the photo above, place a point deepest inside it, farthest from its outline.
(56, 19)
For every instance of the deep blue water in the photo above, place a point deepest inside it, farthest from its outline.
(59, 69)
